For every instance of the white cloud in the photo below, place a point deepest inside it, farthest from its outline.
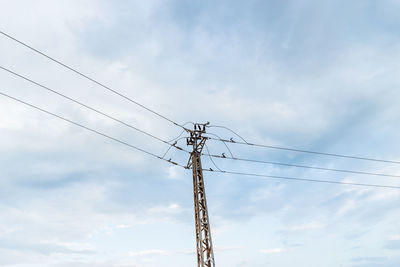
(394, 237)
(305, 226)
(149, 253)
(190, 62)
(172, 208)
(227, 248)
(176, 173)
(272, 251)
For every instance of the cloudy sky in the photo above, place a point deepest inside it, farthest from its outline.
(316, 75)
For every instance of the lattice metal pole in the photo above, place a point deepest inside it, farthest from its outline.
(205, 253)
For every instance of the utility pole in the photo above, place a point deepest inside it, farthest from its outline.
(205, 253)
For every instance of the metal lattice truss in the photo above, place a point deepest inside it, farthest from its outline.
(205, 253)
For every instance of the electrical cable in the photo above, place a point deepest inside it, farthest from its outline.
(86, 106)
(188, 122)
(174, 145)
(183, 131)
(90, 79)
(176, 138)
(305, 179)
(302, 166)
(174, 163)
(230, 152)
(90, 129)
(209, 154)
(226, 128)
(304, 151)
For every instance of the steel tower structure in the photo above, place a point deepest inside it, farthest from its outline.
(205, 253)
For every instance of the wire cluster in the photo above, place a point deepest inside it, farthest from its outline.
(174, 143)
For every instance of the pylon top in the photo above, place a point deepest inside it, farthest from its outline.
(196, 139)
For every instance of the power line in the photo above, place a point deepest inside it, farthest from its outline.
(303, 151)
(88, 107)
(90, 129)
(184, 130)
(174, 163)
(176, 138)
(90, 79)
(226, 128)
(301, 166)
(209, 154)
(304, 179)
(227, 147)
(174, 145)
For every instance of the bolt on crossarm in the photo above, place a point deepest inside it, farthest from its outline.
(205, 253)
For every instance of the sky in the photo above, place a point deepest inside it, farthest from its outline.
(314, 75)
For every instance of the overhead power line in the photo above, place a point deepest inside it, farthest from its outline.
(183, 131)
(175, 145)
(303, 151)
(304, 179)
(226, 128)
(90, 129)
(301, 166)
(210, 156)
(177, 164)
(89, 107)
(91, 79)
(227, 147)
